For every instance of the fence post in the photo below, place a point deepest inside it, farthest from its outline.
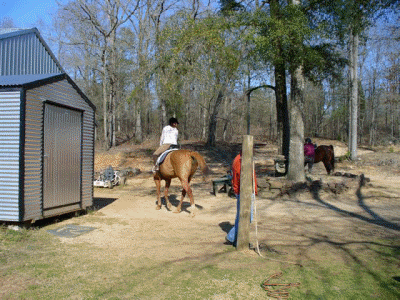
(246, 190)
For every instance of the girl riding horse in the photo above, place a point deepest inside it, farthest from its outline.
(182, 164)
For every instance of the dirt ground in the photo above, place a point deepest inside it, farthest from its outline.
(316, 220)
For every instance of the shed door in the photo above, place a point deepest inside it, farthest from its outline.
(62, 157)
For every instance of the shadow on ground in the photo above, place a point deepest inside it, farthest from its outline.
(99, 203)
(173, 199)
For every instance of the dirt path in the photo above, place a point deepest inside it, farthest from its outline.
(308, 223)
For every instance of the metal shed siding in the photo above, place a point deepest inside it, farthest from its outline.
(33, 159)
(9, 155)
(25, 54)
(63, 93)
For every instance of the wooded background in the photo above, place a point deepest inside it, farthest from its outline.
(227, 68)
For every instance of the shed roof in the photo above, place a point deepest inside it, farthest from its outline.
(28, 81)
(4, 31)
(22, 80)
(8, 32)
(17, 44)
(35, 80)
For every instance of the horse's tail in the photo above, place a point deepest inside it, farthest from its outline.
(202, 163)
(332, 158)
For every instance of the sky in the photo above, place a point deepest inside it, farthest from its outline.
(27, 13)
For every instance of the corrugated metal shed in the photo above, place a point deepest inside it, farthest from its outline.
(46, 138)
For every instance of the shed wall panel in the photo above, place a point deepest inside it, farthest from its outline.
(64, 94)
(33, 158)
(10, 106)
(62, 156)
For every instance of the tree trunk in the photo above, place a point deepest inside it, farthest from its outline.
(112, 121)
(226, 120)
(185, 120)
(296, 153)
(138, 127)
(280, 92)
(163, 114)
(271, 124)
(212, 126)
(353, 95)
(105, 102)
(372, 129)
(248, 94)
(283, 126)
(204, 127)
(113, 79)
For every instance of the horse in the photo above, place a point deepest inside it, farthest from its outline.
(183, 164)
(327, 156)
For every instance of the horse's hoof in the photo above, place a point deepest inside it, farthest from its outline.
(158, 207)
(177, 211)
(192, 210)
(169, 205)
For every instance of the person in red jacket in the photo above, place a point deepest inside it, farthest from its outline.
(309, 153)
(236, 168)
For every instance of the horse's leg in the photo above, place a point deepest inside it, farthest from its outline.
(187, 190)
(167, 185)
(158, 186)
(333, 162)
(327, 165)
(179, 207)
(193, 208)
(190, 194)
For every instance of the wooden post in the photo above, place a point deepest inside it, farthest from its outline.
(246, 191)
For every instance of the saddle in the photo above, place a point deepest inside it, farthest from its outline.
(163, 155)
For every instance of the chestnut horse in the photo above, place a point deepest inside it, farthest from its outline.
(182, 164)
(327, 156)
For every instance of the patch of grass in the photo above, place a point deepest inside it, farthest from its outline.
(50, 269)
(8, 236)
(344, 157)
(242, 280)
(343, 282)
(91, 211)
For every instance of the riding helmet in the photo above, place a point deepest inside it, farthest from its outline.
(172, 121)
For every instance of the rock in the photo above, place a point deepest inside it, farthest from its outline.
(263, 183)
(13, 227)
(275, 184)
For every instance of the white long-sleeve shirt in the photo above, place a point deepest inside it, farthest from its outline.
(169, 135)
